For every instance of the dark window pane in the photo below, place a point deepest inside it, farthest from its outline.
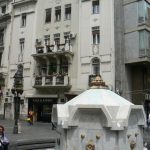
(48, 15)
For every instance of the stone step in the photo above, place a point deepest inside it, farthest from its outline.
(32, 145)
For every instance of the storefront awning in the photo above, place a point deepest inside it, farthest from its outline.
(41, 96)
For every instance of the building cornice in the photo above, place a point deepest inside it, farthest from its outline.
(5, 1)
(5, 19)
(138, 28)
(126, 2)
(22, 2)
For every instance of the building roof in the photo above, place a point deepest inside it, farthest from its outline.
(99, 97)
(117, 111)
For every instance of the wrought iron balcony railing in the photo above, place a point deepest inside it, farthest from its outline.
(51, 81)
(144, 53)
(42, 49)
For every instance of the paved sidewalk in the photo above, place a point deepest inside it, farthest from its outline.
(36, 132)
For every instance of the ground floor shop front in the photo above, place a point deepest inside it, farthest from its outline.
(42, 108)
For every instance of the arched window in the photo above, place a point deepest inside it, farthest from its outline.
(96, 66)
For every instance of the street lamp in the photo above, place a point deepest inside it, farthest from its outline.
(17, 90)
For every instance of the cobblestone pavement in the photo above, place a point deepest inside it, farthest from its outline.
(37, 131)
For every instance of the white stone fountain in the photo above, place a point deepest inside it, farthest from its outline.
(99, 119)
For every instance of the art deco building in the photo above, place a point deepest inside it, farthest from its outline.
(73, 43)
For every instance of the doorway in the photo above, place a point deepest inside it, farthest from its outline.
(42, 108)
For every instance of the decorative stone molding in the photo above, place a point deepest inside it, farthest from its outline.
(98, 82)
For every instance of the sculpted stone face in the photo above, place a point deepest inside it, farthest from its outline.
(133, 145)
(90, 146)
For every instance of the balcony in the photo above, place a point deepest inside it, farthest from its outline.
(20, 2)
(144, 13)
(51, 81)
(144, 53)
(5, 17)
(49, 50)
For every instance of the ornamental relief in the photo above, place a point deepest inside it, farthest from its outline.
(90, 145)
(57, 1)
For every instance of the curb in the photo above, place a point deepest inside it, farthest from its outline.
(32, 144)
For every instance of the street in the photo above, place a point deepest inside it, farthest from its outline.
(39, 135)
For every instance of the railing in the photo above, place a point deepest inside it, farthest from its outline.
(53, 48)
(38, 80)
(48, 80)
(59, 80)
(5, 16)
(144, 52)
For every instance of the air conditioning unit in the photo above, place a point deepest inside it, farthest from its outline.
(72, 35)
(8, 100)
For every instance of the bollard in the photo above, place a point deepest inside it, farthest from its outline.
(19, 127)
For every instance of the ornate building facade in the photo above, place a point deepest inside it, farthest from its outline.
(64, 44)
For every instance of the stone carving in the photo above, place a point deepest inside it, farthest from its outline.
(98, 137)
(67, 45)
(82, 136)
(97, 82)
(58, 1)
(90, 145)
(132, 140)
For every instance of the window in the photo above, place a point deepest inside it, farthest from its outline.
(20, 57)
(95, 6)
(66, 35)
(23, 20)
(47, 39)
(52, 66)
(96, 35)
(48, 15)
(57, 38)
(1, 36)
(144, 43)
(96, 66)
(3, 9)
(68, 12)
(57, 13)
(63, 65)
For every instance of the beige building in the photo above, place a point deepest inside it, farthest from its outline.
(74, 42)
(62, 45)
(5, 34)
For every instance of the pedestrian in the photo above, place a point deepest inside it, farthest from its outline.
(148, 120)
(145, 146)
(4, 142)
(30, 116)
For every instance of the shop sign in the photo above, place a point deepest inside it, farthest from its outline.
(42, 100)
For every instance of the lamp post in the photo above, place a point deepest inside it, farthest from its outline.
(17, 90)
